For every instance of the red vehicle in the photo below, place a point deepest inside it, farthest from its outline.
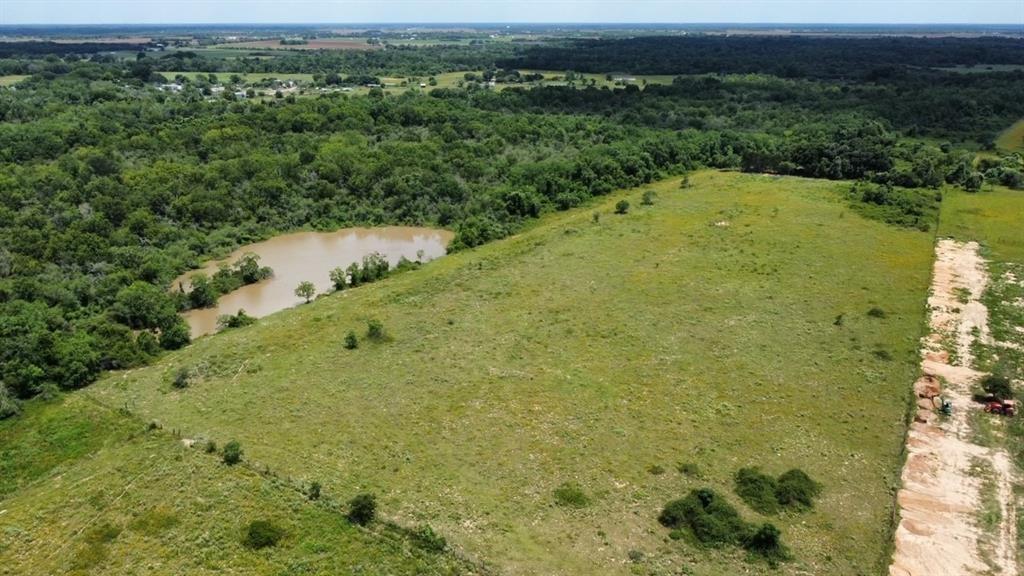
(1003, 407)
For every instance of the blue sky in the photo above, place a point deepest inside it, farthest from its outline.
(612, 11)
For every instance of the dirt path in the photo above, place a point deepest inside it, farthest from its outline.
(942, 491)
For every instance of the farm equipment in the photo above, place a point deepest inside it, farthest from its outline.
(1001, 407)
(945, 406)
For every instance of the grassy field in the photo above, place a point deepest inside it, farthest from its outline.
(87, 490)
(723, 326)
(1012, 139)
(12, 79)
(993, 218)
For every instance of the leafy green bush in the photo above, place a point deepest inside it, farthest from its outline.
(339, 277)
(182, 378)
(655, 470)
(997, 385)
(571, 495)
(262, 534)
(689, 469)
(707, 516)
(757, 490)
(9, 405)
(428, 540)
(648, 198)
(795, 489)
(622, 207)
(351, 341)
(767, 543)
(362, 509)
(239, 320)
(314, 491)
(232, 453)
(210, 447)
(876, 312)
(375, 330)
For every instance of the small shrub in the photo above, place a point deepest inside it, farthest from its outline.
(877, 312)
(232, 453)
(571, 495)
(428, 540)
(839, 320)
(375, 330)
(314, 491)
(182, 378)
(595, 217)
(655, 470)
(636, 556)
(622, 207)
(210, 447)
(648, 198)
(351, 341)
(9, 405)
(685, 183)
(689, 469)
(795, 489)
(882, 354)
(757, 490)
(362, 509)
(767, 543)
(263, 534)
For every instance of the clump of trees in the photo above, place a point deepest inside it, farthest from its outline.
(710, 520)
(238, 320)
(793, 490)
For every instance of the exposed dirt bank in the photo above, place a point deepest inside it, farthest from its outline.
(941, 495)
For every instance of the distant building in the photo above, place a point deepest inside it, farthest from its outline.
(175, 87)
(240, 95)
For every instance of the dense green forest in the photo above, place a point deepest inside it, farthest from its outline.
(110, 188)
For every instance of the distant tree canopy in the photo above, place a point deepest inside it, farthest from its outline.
(109, 188)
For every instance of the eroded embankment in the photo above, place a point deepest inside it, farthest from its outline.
(947, 477)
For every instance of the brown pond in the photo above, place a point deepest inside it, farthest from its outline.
(309, 256)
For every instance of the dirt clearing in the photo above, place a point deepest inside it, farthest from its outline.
(942, 494)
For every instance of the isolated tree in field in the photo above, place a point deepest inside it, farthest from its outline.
(339, 277)
(306, 290)
(622, 207)
(362, 509)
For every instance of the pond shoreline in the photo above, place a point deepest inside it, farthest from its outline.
(308, 256)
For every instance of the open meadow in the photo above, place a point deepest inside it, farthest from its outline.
(726, 325)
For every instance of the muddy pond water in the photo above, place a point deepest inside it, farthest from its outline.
(309, 256)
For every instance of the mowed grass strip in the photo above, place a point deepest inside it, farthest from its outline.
(724, 326)
(1012, 139)
(140, 502)
(992, 217)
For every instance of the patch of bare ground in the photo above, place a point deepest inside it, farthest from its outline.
(941, 495)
